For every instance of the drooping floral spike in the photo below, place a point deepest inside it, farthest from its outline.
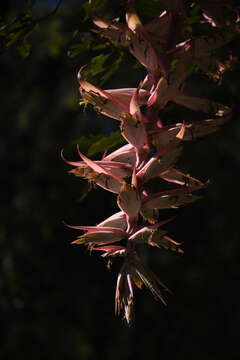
(167, 52)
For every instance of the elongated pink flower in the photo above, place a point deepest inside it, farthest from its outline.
(166, 51)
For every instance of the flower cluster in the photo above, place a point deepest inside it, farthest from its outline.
(167, 53)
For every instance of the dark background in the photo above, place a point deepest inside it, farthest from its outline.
(56, 301)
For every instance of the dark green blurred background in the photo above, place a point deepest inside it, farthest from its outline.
(56, 301)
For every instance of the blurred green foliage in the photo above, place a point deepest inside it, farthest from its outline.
(99, 143)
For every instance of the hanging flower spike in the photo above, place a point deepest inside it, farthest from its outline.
(167, 52)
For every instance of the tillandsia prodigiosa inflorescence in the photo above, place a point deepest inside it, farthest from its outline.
(167, 52)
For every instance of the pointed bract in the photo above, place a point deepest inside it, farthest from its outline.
(111, 250)
(124, 297)
(125, 154)
(133, 131)
(129, 200)
(177, 177)
(108, 183)
(100, 169)
(171, 198)
(103, 100)
(159, 164)
(100, 238)
(146, 235)
(117, 220)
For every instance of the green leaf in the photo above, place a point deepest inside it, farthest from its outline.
(97, 64)
(85, 142)
(77, 49)
(95, 7)
(150, 8)
(106, 143)
(104, 66)
(115, 64)
(24, 48)
(192, 20)
(30, 3)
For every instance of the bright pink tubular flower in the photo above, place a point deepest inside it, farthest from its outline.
(167, 53)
